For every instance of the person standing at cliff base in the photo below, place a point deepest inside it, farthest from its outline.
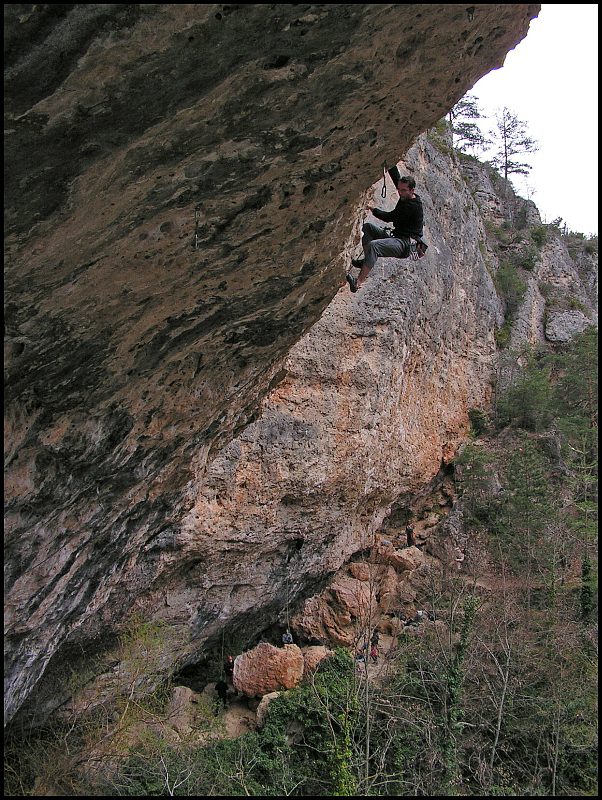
(229, 666)
(221, 688)
(406, 240)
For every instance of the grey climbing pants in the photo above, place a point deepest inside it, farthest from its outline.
(377, 244)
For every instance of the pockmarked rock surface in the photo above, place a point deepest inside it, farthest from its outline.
(266, 669)
(181, 197)
(362, 597)
(564, 325)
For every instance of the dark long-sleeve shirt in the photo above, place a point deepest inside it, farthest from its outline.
(407, 218)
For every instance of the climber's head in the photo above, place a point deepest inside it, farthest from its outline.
(405, 187)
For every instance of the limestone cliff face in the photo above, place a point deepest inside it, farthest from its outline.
(134, 357)
(372, 401)
(483, 225)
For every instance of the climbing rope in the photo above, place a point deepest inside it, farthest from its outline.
(197, 217)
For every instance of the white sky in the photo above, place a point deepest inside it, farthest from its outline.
(550, 82)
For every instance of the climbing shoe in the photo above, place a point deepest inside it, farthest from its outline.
(357, 262)
(352, 282)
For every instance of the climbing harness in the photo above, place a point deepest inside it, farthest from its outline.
(418, 249)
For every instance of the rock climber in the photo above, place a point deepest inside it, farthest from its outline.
(410, 537)
(229, 666)
(406, 240)
(221, 687)
(229, 672)
(287, 637)
(419, 616)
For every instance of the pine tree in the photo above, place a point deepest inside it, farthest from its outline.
(512, 140)
(528, 509)
(473, 474)
(526, 403)
(587, 589)
(465, 133)
(577, 388)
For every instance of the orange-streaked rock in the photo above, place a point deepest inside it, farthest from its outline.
(266, 669)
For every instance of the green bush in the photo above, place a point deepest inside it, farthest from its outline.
(479, 421)
(591, 246)
(539, 235)
(502, 335)
(520, 218)
(439, 136)
(527, 259)
(303, 748)
(511, 288)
